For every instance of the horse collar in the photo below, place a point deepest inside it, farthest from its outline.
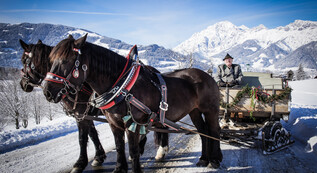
(119, 91)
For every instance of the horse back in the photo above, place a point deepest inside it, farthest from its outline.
(191, 88)
(196, 77)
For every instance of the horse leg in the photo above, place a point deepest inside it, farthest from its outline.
(82, 161)
(122, 165)
(100, 155)
(213, 149)
(142, 144)
(199, 123)
(133, 139)
(161, 140)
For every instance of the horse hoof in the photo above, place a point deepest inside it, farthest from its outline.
(96, 163)
(98, 160)
(119, 171)
(161, 152)
(214, 164)
(202, 163)
(77, 170)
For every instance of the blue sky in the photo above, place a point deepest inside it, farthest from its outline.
(163, 22)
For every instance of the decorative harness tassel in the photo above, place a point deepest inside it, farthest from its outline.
(142, 130)
(132, 127)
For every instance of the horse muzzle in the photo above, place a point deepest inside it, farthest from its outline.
(51, 97)
(25, 86)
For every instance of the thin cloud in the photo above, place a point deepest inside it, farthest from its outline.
(63, 11)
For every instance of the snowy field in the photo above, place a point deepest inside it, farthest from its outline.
(62, 134)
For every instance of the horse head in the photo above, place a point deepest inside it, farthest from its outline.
(35, 64)
(68, 71)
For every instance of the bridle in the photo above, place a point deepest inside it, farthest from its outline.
(35, 78)
(32, 76)
(106, 100)
(70, 88)
(74, 73)
(118, 92)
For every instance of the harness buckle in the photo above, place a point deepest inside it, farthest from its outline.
(128, 97)
(163, 106)
(77, 63)
(84, 67)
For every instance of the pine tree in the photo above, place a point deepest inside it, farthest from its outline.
(301, 74)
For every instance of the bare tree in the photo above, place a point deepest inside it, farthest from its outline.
(49, 111)
(36, 108)
(13, 101)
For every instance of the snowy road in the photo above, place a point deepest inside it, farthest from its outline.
(185, 152)
(58, 155)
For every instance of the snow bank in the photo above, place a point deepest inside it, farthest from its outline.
(304, 93)
(303, 117)
(303, 126)
(13, 139)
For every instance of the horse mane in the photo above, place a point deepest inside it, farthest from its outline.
(62, 50)
(101, 60)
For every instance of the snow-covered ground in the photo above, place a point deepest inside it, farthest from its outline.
(303, 118)
(22, 150)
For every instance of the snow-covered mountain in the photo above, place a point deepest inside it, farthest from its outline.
(11, 51)
(260, 47)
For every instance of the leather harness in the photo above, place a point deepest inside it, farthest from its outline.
(120, 91)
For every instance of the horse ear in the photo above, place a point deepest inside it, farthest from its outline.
(70, 36)
(39, 42)
(133, 51)
(80, 42)
(25, 46)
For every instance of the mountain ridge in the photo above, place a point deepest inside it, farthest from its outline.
(50, 34)
(258, 46)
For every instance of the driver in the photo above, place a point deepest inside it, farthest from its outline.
(228, 73)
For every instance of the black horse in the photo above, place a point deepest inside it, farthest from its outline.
(190, 91)
(36, 64)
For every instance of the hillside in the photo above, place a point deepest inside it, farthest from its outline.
(11, 51)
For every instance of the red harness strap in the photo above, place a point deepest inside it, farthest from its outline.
(125, 67)
(54, 78)
(128, 88)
